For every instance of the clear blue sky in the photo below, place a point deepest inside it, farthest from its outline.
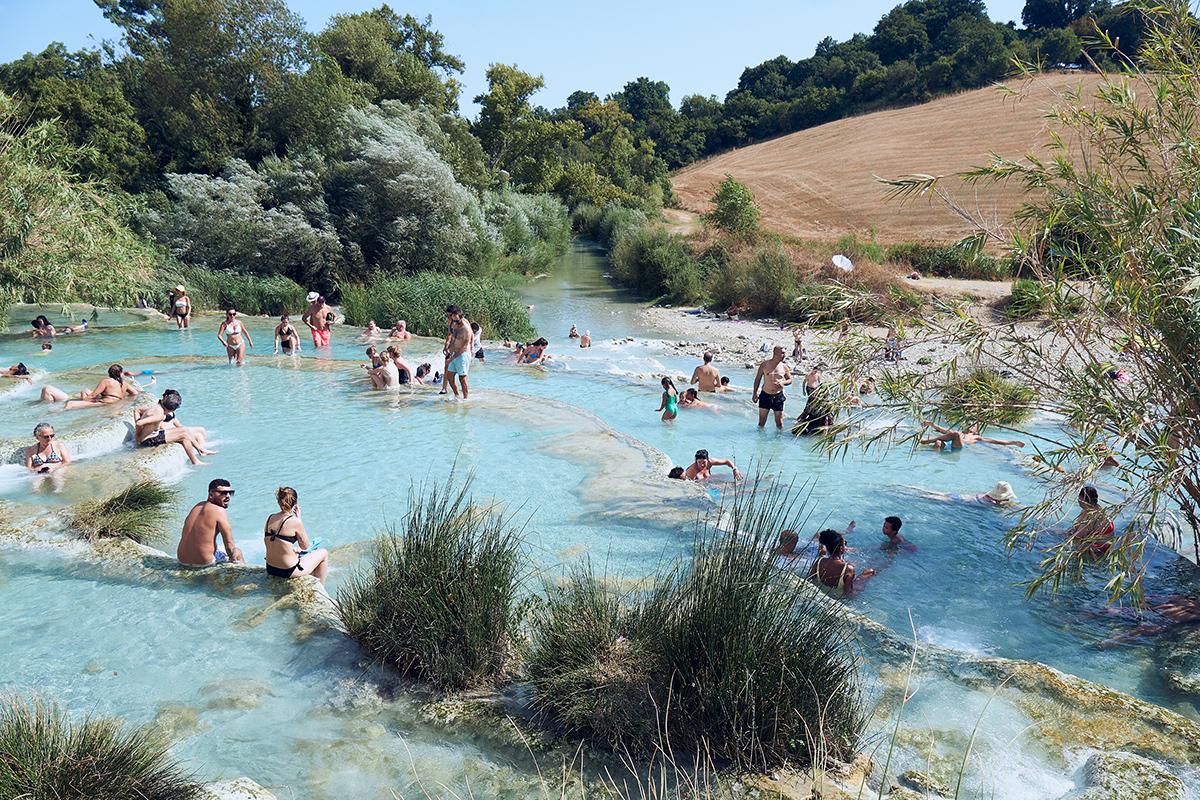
(697, 47)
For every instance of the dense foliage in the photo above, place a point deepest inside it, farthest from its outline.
(44, 754)
(138, 512)
(725, 656)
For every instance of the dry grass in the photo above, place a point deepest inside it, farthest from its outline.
(819, 183)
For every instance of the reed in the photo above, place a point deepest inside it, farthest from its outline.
(138, 512)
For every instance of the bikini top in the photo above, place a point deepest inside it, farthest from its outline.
(52, 458)
(276, 535)
(841, 581)
(233, 328)
(287, 333)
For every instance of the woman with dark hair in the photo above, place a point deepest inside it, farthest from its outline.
(288, 553)
(670, 400)
(1092, 529)
(832, 570)
(42, 329)
(109, 390)
(18, 370)
(230, 334)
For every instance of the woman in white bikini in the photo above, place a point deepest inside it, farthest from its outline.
(181, 308)
(230, 334)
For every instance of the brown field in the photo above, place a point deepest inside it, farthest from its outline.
(819, 183)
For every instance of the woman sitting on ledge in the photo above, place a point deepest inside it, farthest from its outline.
(832, 570)
(288, 554)
(109, 390)
(45, 457)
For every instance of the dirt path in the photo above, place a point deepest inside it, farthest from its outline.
(681, 222)
(956, 287)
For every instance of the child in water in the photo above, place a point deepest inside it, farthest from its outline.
(670, 400)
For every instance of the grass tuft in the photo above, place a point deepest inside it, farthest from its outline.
(438, 600)
(138, 513)
(984, 397)
(43, 754)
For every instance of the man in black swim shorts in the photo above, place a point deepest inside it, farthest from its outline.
(773, 374)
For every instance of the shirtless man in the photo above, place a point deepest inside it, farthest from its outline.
(205, 522)
(109, 390)
(707, 375)
(701, 468)
(586, 339)
(315, 317)
(773, 374)
(457, 349)
(400, 331)
(156, 425)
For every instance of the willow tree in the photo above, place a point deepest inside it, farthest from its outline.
(1110, 230)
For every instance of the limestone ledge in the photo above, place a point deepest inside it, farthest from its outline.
(236, 789)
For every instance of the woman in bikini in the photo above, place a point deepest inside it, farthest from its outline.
(287, 542)
(230, 334)
(109, 390)
(42, 329)
(45, 456)
(670, 400)
(181, 307)
(286, 336)
(18, 370)
(832, 570)
(1092, 530)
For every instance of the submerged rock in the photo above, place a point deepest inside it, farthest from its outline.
(1126, 776)
(925, 785)
(1179, 663)
(236, 789)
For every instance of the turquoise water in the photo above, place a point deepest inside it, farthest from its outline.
(576, 451)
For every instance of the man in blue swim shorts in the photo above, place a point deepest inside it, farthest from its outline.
(458, 350)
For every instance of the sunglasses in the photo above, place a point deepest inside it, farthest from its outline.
(45, 435)
(229, 492)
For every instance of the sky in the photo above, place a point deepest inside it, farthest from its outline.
(697, 47)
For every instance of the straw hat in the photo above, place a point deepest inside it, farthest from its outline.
(179, 287)
(1002, 492)
(312, 297)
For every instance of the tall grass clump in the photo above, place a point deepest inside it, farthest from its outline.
(138, 512)
(43, 754)
(249, 294)
(950, 261)
(825, 304)
(984, 397)
(657, 264)
(421, 300)
(438, 600)
(725, 655)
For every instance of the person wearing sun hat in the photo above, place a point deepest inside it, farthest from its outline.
(1001, 494)
(181, 306)
(317, 317)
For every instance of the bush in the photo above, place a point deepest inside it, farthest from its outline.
(824, 304)
(45, 755)
(726, 655)
(421, 300)
(533, 230)
(607, 225)
(138, 513)
(950, 261)
(221, 289)
(1028, 299)
(984, 397)
(734, 210)
(657, 264)
(437, 601)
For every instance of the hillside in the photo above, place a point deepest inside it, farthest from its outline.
(818, 183)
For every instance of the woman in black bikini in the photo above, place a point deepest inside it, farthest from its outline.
(287, 542)
(45, 456)
(286, 337)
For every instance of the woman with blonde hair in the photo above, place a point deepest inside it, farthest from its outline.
(288, 553)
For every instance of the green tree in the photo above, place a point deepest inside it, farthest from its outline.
(1059, 45)
(397, 58)
(1040, 14)
(87, 99)
(648, 104)
(734, 210)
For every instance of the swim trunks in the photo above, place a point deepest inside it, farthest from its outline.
(459, 364)
(320, 338)
(157, 439)
(771, 402)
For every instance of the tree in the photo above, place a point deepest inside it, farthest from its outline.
(397, 58)
(1060, 45)
(1041, 14)
(648, 103)
(1111, 233)
(87, 99)
(734, 210)
(899, 36)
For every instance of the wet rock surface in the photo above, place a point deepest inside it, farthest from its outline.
(236, 789)
(1127, 776)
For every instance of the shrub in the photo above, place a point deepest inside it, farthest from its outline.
(740, 661)
(533, 230)
(221, 289)
(950, 261)
(984, 397)
(734, 210)
(138, 513)
(657, 264)
(421, 300)
(772, 280)
(857, 250)
(1028, 299)
(606, 225)
(45, 755)
(437, 601)
(824, 304)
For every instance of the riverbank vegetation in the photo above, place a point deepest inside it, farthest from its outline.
(44, 753)
(138, 512)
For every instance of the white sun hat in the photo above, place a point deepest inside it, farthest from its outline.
(1002, 492)
(843, 263)
(312, 297)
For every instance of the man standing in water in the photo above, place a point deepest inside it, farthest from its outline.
(457, 350)
(707, 375)
(773, 374)
(315, 317)
(198, 546)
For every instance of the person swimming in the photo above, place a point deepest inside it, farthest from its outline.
(574, 333)
(951, 439)
(1092, 530)
(400, 331)
(287, 543)
(832, 570)
(533, 353)
(18, 370)
(109, 390)
(586, 339)
(701, 467)
(670, 400)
